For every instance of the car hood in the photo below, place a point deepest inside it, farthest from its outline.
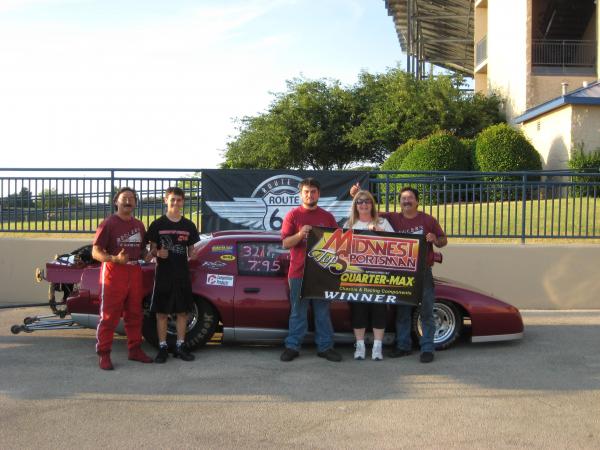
(457, 284)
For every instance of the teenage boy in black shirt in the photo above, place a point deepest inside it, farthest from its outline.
(172, 238)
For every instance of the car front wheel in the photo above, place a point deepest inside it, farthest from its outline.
(202, 323)
(448, 324)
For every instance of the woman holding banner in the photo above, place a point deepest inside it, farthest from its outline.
(363, 216)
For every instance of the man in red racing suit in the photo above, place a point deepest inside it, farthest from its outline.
(118, 245)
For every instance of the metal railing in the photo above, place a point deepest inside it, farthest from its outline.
(564, 53)
(521, 205)
(77, 200)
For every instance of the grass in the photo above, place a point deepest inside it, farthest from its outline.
(554, 219)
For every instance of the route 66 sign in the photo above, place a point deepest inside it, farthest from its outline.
(269, 201)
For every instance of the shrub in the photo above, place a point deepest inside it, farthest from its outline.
(439, 151)
(394, 161)
(469, 144)
(501, 148)
(585, 163)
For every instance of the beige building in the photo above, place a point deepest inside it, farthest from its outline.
(530, 52)
(559, 125)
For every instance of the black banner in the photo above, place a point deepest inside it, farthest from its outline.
(235, 199)
(364, 266)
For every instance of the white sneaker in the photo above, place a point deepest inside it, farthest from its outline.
(359, 353)
(377, 354)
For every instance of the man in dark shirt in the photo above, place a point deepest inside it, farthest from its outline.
(413, 221)
(172, 238)
(119, 245)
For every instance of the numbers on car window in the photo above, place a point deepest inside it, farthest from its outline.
(253, 250)
(262, 258)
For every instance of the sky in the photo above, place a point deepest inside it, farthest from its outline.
(159, 83)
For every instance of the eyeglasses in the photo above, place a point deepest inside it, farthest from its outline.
(363, 201)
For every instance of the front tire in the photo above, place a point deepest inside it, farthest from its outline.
(202, 323)
(448, 324)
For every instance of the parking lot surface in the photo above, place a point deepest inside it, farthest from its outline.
(540, 392)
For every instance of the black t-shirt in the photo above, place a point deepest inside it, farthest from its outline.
(175, 237)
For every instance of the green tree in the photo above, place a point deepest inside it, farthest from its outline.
(396, 107)
(305, 127)
(321, 124)
(51, 198)
(21, 199)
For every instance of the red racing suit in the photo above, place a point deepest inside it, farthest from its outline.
(121, 291)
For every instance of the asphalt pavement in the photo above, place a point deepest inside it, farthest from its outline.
(540, 392)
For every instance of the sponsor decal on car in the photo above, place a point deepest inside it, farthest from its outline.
(215, 279)
(214, 265)
(222, 249)
(228, 257)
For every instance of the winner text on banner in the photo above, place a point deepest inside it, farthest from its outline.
(364, 266)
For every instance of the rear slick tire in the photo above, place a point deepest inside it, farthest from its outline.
(202, 323)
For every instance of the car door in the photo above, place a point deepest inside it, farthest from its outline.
(261, 288)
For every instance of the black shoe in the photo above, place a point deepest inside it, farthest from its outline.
(289, 354)
(399, 353)
(182, 352)
(330, 355)
(426, 357)
(162, 355)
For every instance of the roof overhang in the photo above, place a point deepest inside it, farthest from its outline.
(587, 95)
(439, 31)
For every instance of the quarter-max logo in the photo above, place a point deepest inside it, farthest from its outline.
(340, 251)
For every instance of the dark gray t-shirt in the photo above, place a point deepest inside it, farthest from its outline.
(175, 237)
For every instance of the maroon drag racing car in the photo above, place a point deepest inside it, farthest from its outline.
(239, 280)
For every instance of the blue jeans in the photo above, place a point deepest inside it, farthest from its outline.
(299, 320)
(404, 318)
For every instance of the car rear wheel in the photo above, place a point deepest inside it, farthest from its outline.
(202, 323)
(448, 324)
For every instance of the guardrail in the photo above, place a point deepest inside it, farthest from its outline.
(522, 205)
(564, 53)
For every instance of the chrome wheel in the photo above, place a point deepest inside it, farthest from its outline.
(448, 324)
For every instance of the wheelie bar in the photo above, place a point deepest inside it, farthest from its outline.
(51, 322)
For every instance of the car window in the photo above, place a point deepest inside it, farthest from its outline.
(262, 259)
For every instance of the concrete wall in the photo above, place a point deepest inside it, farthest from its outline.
(586, 126)
(19, 257)
(551, 136)
(508, 52)
(556, 133)
(548, 87)
(528, 276)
